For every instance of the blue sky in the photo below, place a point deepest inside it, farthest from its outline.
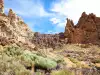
(49, 16)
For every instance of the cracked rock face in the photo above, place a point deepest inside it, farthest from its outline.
(87, 30)
(12, 27)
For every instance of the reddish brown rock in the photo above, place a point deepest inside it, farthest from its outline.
(49, 40)
(1, 6)
(87, 30)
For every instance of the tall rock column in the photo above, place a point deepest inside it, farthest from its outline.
(1, 6)
(69, 29)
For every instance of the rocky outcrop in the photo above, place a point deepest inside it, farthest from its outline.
(87, 30)
(12, 27)
(49, 40)
(1, 6)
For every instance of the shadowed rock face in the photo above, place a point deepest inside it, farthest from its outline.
(87, 29)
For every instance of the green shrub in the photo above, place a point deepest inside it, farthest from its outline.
(45, 62)
(57, 58)
(39, 60)
(10, 63)
(13, 51)
(12, 67)
(49, 55)
(28, 58)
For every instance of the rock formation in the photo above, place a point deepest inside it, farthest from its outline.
(14, 30)
(49, 40)
(1, 6)
(87, 30)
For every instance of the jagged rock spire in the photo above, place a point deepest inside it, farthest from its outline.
(1, 6)
(87, 30)
(69, 27)
(11, 13)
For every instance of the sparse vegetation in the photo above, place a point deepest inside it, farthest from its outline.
(96, 60)
(12, 66)
(12, 55)
(62, 72)
(13, 51)
(75, 61)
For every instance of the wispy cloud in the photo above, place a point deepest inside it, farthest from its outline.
(55, 20)
(32, 11)
(58, 22)
(35, 11)
(73, 8)
(28, 8)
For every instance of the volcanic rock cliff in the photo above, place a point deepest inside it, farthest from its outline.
(87, 30)
(49, 40)
(14, 30)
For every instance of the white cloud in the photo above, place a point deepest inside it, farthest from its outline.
(74, 8)
(58, 22)
(55, 20)
(61, 24)
(28, 8)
